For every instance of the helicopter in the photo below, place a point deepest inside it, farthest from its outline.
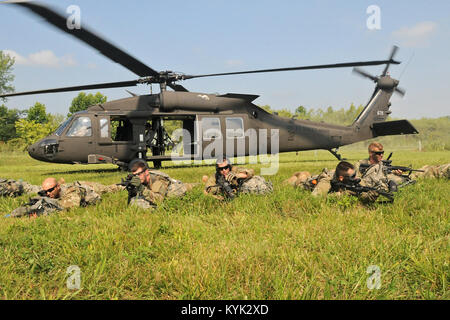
(211, 125)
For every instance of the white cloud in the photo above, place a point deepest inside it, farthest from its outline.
(42, 58)
(417, 35)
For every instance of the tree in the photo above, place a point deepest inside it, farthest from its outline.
(8, 119)
(83, 101)
(285, 113)
(6, 67)
(300, 112)
(267, 108)
(38, 113)
(29, 131)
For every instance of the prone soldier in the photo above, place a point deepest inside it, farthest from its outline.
(57, 196)
(13, 188)
(344, 180)
(148, 187)
(437, 171)
(229, 181)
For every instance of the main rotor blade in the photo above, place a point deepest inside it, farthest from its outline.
(323, 66)
(77, 88)
(84, 34)
(391, 57)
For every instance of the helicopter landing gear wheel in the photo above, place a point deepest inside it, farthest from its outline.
(157, 164)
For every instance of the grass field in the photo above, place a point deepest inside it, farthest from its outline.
(287, 245)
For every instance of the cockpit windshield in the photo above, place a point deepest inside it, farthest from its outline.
(61, 128)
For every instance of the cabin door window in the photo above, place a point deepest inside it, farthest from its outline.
(211, 128)
(235, 128)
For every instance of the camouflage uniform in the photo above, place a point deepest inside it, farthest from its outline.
(323, 184)
(439, 171)
(37, 206)
(101, 188)
(160, 187)
(256, 185)
(71, 195)
(77, 194)
(13, 188)
(374, 177)
(298, 179)
(399, 180)
(212, 187)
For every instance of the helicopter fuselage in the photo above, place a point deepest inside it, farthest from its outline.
(119, 131)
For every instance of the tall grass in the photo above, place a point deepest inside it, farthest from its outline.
(286, 245)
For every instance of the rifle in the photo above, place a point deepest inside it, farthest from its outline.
(131, 184)
(355, 187)
(225, 186)
(37, 206)
(388, 167)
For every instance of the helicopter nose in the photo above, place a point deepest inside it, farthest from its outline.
(34, 151)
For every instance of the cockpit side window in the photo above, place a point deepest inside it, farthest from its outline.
(81, 127)
(63, 126)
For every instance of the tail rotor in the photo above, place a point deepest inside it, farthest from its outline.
(384, 81)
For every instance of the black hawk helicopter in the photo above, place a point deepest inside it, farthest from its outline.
(123, 130)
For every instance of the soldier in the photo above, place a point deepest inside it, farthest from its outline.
(101, 188)
(376, 153)
(153, 186)
(13, 188)
(56, 196)
(438, 171)
(298, 179)
(228, 181)
(335, 181)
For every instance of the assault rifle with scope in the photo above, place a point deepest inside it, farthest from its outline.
(358, 189)
(131, 184)
(226, 187)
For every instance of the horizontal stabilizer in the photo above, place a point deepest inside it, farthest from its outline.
(393, 128)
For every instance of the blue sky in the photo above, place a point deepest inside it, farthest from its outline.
(197, 37)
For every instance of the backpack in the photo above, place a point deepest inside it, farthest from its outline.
(256, 185)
